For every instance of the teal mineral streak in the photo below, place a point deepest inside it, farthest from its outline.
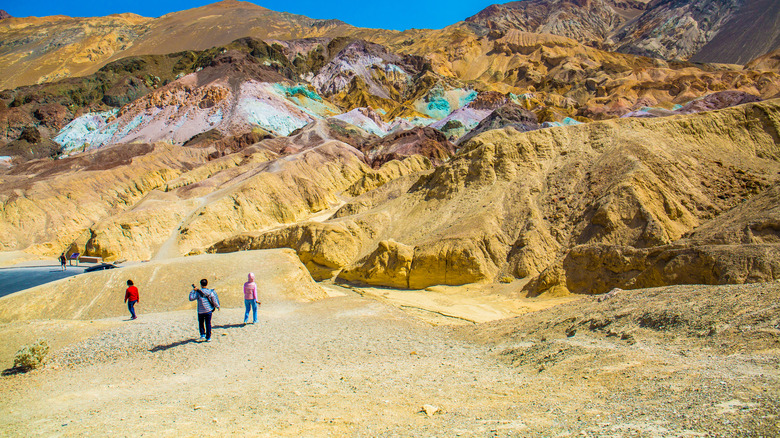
(296, 90)
(136, 122)
(88, 129)
(568, 121)
(269, 117)
(467, 99)
(439, 105)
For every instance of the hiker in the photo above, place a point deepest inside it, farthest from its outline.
(208, 301)
(131, 297)
(250, 299)
(63, 260)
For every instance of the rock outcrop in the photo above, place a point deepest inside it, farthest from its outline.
(509, 115)
(768, 61)
(427, 142)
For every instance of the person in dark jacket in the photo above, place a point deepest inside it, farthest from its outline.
(208, 301)
(63, 261)
(131, 297)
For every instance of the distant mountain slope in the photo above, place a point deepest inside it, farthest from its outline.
(35, 50)
(723, 31)
(588, 21)
(675, 29)
(220, 23)
(753, 31)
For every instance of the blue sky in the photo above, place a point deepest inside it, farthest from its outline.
(396, 14)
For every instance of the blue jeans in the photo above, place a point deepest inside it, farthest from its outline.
(250, 304)
(204, 324)
(130, 305)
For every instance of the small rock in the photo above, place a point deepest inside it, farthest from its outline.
(609, 294)
(213, 420)
(430, 410)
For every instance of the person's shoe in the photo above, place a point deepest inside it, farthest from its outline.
(135, 317)
(202, 337)
(208, 339)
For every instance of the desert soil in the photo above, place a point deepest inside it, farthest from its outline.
(353, 365)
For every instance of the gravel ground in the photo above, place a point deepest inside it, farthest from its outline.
(352, 366)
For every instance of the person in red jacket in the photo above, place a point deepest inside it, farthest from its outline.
(131, 297)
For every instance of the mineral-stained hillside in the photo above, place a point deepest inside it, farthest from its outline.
(282, 86)
(582, 208)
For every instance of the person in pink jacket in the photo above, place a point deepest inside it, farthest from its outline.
(250, 299)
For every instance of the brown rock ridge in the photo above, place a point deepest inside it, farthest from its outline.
(425, 141)
(37, 50)
(573, 79)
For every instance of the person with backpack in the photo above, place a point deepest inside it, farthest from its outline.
(208, 301)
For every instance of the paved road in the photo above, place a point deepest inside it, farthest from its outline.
(27, 275)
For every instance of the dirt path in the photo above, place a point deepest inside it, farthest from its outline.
(340, 365)
(352, 366)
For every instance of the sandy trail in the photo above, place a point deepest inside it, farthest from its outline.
(339, 365)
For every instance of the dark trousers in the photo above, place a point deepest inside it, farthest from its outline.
(204, 324)
(130, 305)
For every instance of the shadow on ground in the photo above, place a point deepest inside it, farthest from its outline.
(227, 326)
(171, 345)
(16, 370)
